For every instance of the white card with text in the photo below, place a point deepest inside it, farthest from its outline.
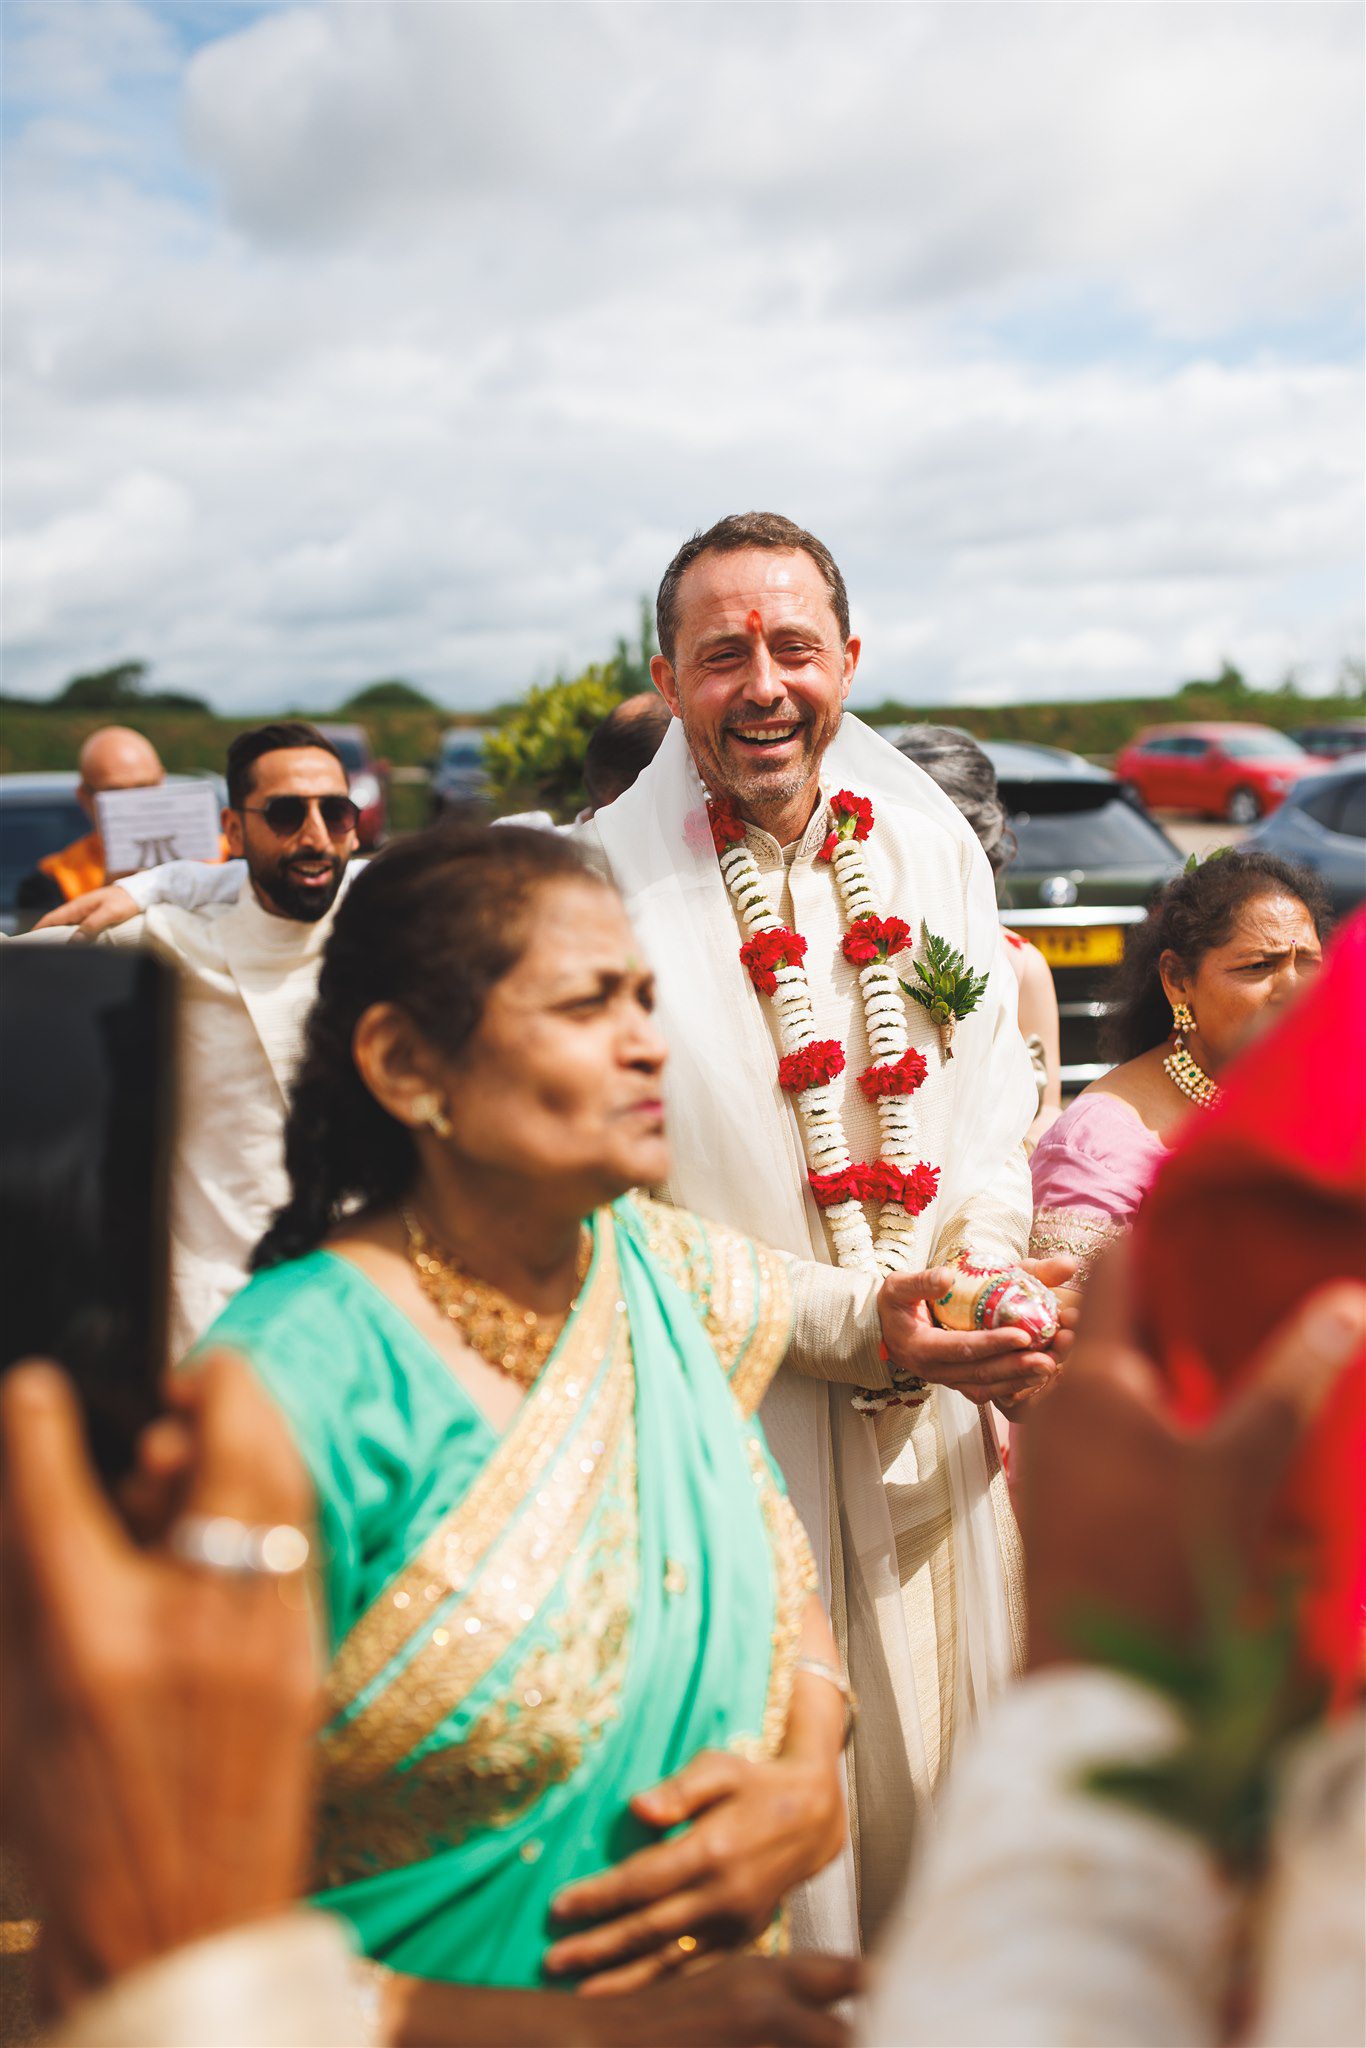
(141, 828)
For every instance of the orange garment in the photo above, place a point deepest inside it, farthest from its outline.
(80, 866)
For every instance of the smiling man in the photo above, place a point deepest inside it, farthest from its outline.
(818, 1108)
(248, 960)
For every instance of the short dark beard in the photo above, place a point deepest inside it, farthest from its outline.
(754, 796)
(303, 906)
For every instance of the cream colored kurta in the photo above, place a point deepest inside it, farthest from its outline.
(248, 980)
(907, 1514)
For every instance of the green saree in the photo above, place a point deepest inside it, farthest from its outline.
(529, 1629)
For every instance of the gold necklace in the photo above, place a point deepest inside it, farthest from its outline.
(512, 1339)
(1189, 1076)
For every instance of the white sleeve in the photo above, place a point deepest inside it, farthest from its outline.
(1042, 1913)
(188, 883)
(288, 1982)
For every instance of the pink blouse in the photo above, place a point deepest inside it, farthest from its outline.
(1091, 1169)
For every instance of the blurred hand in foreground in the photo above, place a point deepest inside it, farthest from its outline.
(1122, 1508)
(158, 1717)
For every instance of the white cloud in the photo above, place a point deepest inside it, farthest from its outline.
(1041, 316)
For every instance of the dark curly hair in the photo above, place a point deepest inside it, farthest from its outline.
(432, 924)
(1194, 913)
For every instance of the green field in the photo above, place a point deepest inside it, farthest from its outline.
(44, 736)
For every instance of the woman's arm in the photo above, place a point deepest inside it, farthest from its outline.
(751, 1830)
(1039, 1019)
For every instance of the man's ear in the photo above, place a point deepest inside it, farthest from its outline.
(231, 822)
(852, 651)
(662, 676)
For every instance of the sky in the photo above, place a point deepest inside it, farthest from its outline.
(391, 339)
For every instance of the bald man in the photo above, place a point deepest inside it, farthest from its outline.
(115, 757)
(624, 743)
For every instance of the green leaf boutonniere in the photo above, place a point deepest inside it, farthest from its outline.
(948, 988)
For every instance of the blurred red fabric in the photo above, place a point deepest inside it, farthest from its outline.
(1264, 1201)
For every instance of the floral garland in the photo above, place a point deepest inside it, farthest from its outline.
(774, 959)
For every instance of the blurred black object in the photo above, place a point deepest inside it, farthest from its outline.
(87, 1066)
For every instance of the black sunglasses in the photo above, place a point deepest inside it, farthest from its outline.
(285, 815)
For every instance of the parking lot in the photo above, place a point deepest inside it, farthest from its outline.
(1199, 835)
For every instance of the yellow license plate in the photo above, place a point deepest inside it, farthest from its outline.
(1088, 945)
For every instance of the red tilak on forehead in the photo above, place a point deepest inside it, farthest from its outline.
(754, 623)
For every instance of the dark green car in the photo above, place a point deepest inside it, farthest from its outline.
(1088, 862)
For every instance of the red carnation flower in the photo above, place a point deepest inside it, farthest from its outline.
(920, 1188)
(830, 1189)
(831, 841)
(811, 1065)
(895, 1077)
(882, 1181)
(853, 814)
(874, 938)
(768, 950)
(727, 827)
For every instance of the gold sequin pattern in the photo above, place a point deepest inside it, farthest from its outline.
(515, 1577)
(535, 1734)
(742, 1291)
(453, 1550)
(794, 1581)
(1076, 1233)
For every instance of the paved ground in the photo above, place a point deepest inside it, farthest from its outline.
(1199, 835)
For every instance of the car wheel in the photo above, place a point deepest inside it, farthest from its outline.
(1243, 806)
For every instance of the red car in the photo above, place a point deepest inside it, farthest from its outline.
(1237, 772)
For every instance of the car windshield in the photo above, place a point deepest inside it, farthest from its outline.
(1259, 746)
(352, 754)
(463, 752)
(28, 831)
(1106, 832)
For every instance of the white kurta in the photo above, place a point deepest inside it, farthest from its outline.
(247, 982)
(907, 1514)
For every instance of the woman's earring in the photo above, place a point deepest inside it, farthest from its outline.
(427, 1109)
(1182, 1019)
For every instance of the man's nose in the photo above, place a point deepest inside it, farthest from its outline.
(313, 832)
(763, 685)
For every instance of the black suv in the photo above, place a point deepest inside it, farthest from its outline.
(1088, 862)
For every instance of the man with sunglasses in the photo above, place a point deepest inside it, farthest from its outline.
(249, 966)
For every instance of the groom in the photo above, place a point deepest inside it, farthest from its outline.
(903, 1496)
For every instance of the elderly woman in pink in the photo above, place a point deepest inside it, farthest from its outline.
(1223, 948)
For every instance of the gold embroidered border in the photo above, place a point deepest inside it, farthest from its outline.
(535, 1734)
(794, 1581)
(742, 1290)
(515, 1578)
(1007, 1542)
(455, 1546)
(1078, 1233)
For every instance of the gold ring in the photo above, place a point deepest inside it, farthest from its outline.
(686, 1942)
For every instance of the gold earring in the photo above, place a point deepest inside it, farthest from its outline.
(1182, 1019)
(427, 1109)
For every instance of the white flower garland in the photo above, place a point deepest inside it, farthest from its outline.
(888, 1249)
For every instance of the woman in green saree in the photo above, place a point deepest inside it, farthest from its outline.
(584, 1713)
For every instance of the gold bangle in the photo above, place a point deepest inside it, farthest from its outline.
(832, 1675)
